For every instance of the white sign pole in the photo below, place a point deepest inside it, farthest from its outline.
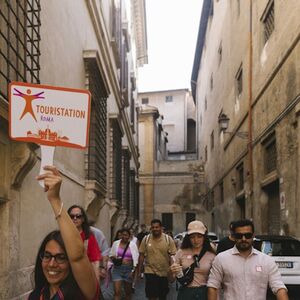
(47, 154)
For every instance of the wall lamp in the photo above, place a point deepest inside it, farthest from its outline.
(223, 121)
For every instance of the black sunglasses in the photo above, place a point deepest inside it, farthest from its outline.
(75, 217)
(59, 258)
(239, 236)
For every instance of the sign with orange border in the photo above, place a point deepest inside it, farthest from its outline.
(49, 115)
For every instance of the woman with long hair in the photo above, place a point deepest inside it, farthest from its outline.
(62, 269)
(124, 255)
(195, 248)
(80, 219)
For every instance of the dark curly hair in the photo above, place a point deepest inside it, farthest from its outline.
(85, 224)
(186, 243)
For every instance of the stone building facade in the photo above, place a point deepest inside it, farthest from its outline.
(94, 45)
(179, 120)
(171, 183)
(245, 81)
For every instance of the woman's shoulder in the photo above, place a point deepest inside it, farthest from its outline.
(210, 255)
(185, 251)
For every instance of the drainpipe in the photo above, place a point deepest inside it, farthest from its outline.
(250, 144)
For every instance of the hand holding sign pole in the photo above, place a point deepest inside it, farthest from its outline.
(49, 116)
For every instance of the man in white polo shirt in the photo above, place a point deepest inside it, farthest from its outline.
(243, 271)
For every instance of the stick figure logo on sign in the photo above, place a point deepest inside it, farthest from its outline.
(49, 116)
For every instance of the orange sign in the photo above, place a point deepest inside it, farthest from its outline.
(49, 115)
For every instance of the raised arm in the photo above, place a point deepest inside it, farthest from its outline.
(79, 262)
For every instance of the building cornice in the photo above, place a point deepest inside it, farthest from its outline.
(140, 27)
(110, 69)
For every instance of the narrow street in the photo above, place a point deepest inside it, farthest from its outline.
(139, 293)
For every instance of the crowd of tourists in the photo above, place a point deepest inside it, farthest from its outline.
(74, 260)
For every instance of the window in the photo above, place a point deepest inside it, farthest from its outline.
(240, 176)
(19, 42)
(211, 82)
(270, 155)
(212, 140)
(189, 217)
(268, 20)
(205, 153)
(96, 154)
(145, 100)
(169, 99)
(167, 220)
(205, 103)
(220, 53)
(239, 81)
(238, 4)
(116, 168)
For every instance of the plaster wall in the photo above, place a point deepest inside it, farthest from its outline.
(275, 86)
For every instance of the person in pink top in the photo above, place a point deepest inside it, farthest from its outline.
(244, 272)
(195, 247)
(124, 254)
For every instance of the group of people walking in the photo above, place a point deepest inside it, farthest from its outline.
(72, 261)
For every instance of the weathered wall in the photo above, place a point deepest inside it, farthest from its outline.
(275, 86)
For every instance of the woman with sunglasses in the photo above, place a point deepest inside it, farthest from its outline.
(124, 255)
(62, 269)
(80, 219)
(195, 247)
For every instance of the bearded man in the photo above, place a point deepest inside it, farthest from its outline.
(244, 272)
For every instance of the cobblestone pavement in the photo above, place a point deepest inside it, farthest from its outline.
(139, 292)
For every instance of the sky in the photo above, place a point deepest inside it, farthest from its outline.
(172, 28)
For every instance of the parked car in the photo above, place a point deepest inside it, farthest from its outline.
(286, 252)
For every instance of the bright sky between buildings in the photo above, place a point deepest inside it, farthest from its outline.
(172, 28)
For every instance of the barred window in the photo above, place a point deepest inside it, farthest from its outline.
(125, 178)
(116, 178)
(19, 42)
(268, 20)
(96, 154)
(270, 157)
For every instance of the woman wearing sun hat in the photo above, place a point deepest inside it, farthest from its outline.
(195, 246)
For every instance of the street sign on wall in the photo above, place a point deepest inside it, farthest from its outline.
(48, 115)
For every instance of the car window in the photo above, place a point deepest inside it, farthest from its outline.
(281, 248)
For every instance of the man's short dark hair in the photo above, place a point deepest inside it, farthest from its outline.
(156, 221)
(231, 225)
(242, 223)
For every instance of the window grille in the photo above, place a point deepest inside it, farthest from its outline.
(270, 156)
(133, 205)
(116, 162)
(125, 178)
(19, 42)
(268, 20)
(96, 154)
